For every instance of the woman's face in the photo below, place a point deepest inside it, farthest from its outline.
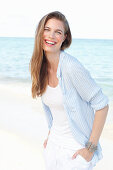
(53, 36)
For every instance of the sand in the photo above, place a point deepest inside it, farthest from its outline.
(23, 128)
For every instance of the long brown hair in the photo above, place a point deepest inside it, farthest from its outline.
(38, 62)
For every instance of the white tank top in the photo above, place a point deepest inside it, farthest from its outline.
(60, 132)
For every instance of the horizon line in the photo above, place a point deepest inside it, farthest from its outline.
(72, 38)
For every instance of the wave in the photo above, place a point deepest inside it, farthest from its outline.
(14, 79)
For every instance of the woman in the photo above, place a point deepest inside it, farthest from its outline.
(74, 104)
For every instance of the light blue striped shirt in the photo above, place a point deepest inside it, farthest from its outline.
(81, 98)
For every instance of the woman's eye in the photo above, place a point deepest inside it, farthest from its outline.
(46, 29)
(59, 32)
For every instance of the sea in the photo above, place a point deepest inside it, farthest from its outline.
(95, 54)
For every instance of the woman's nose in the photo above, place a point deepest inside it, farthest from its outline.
(52, 34)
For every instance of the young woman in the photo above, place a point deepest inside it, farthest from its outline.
(74, 104)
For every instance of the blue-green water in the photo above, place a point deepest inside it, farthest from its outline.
(95, 55)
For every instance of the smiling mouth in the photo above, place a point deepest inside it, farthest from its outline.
(48, 42)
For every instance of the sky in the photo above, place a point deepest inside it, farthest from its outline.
(87, 18)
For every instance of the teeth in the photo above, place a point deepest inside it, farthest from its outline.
(49, 42)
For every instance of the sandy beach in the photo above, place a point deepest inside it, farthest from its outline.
(23, 128)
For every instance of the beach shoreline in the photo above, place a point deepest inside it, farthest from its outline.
(23, 128)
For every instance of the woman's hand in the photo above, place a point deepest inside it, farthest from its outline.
(87, 155)
(45, 143)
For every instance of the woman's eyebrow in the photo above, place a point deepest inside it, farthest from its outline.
(56, 29)
(59, 30)
(47, 27)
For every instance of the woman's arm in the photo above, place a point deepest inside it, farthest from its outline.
(98, 124)
(48, 114)
(48, 134)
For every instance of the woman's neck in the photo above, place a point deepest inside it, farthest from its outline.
(53, 60)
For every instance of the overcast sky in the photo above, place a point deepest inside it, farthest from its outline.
(87, 18)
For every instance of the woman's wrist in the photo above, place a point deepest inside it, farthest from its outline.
(91, 146)
(48, 134)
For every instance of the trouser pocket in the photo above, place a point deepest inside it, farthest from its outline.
(78, 163)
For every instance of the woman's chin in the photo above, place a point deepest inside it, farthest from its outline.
(50, 50)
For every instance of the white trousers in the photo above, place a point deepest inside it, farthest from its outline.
(57, 157)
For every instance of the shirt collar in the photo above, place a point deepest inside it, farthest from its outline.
(59, 64)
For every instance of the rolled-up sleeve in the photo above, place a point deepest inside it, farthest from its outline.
(48, 114)
(99, 101)
(86, 86)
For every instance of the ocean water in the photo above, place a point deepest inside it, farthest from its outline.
(95, 55)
